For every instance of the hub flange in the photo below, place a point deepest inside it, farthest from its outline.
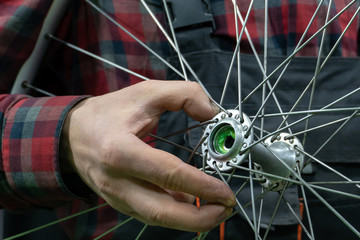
(226, 140)
(266, 159)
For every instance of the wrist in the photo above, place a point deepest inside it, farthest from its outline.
(72, 181)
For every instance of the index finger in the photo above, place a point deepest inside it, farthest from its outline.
(179, 95)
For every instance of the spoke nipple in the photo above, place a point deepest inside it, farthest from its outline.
(24, 84)
(47, 35)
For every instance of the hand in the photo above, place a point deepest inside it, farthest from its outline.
(105, 148)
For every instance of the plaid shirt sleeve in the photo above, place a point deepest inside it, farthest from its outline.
(30, 174)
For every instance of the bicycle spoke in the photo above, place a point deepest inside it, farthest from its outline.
(202, 140)
(114, 228)
(134, 37)
(237, 201)
(317, 127)
(230, 175)
(253, 199)
(258, 197)
(266, 174)
(185, 130)
(237, 49)
(306, 205)
(298, 219)
(275, 211)
(26, 84)
(311, 189)
(341, 193)
(260, 210)
(335, 132)
(265, 67)
(56, 222)
(257, 59)
(312, 157)
(334, 182)
(76, 48)
(314, 111)
(317, 67)
(141, 232)
(288, 59)
(174, 144)
(238, 62)
(242, 187)
(243, 207)
(262, 68)
(182, 57)
(324, 62)
(302, 119)
(174, 39)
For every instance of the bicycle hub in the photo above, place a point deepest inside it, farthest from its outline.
(227, 142)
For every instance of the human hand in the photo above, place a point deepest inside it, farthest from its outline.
(103, 135)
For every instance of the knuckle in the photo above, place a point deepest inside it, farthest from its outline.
(194, 87)
(103, 184)
(172, 178)
(169, 181)
(158, 217)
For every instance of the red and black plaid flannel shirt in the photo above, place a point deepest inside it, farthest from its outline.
(29, 167)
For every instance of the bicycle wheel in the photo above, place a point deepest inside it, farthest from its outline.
(287, 127)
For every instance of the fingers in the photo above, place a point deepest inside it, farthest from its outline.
(177, 95)
(181, 196)
(156, 207)
(169, 172)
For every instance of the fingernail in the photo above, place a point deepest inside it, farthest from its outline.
(227, 212)
(231, 202)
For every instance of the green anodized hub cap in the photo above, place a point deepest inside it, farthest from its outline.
(224, 139)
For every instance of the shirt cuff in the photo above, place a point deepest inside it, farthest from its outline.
(30, 149)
